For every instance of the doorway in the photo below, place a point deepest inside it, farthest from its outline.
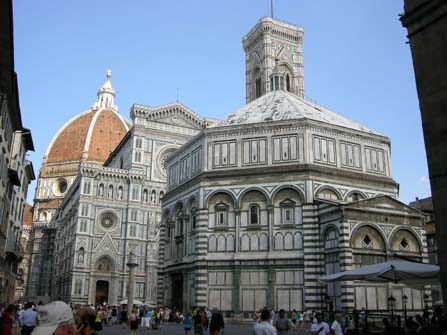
(177, 292)
(102, 292)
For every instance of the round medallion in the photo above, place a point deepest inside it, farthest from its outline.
(107, 221)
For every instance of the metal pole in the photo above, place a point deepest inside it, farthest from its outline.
(132, 264)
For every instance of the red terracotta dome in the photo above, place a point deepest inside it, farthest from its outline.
(92, 135)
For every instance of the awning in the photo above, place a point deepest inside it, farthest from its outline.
(396, 271)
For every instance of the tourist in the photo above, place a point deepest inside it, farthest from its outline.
(123, 317)
(294, 319)
(142, 315)
(336, 325)
(28, 319)
(55, 318)
(301, 320)
(282, 325)
(307, 317)
(113, 315)
(104, 317)
(217, 322)
(98, 320)
(166, 315)
(6, 320)
(133, 322)
(85, 321)
(319, 327)
(199, 321)
(109, 315)
(148, 319)
(187, 323)
(263, 327)
(208, 316)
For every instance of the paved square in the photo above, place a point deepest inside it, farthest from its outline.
(174, 329)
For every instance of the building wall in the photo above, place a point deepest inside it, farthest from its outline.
(113, 209)
(426, 25)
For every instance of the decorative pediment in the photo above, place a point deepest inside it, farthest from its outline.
(385, 203)
(176, 114)
(106, 245)
(287, 202)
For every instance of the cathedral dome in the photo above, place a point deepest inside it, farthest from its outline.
(91, 135)
(280, 105)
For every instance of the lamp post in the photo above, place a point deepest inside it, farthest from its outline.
(404, 302)
(426, 298)
(391, 305)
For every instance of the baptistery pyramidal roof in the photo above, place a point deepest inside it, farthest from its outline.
(91, 135)
(279, 105)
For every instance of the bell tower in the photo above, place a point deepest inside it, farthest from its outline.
(272, 43)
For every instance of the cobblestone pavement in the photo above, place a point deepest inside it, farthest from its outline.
(174, 329)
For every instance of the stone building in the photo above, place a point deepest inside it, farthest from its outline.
(16, 171)
(88, 137)
(108, 201)
(279, 193)
(426, 24)
(23, 268)
(425, 205)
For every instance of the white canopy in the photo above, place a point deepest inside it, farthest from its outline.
(135, 302)
(399, 272)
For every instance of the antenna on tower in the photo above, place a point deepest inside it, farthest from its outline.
(271, 8)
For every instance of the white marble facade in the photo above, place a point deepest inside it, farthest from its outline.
(277, 194)
(113, 209)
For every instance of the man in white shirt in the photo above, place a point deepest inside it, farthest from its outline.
(336, 327)
(264, 327)
(320, 327)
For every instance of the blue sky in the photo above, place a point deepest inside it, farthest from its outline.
(356, 63)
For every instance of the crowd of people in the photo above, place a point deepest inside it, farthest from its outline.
(58, 318)
(266, 322)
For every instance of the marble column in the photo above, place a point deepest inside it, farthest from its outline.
(132, 264)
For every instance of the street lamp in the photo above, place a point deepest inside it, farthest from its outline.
(426, 298)
(391, 305)
(404, 302)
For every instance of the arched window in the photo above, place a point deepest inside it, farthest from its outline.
(288, 82)
(145, 195)
(221, 218)
(331, 241)
(193, 218)
(355, 196)
(258, 87)
(87, 187)
(254, 214)
(327, 194)
(258, 82)
(179, 223)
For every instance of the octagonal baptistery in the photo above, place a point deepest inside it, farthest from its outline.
(250, 198)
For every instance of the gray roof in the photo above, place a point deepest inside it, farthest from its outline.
(282, 105)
